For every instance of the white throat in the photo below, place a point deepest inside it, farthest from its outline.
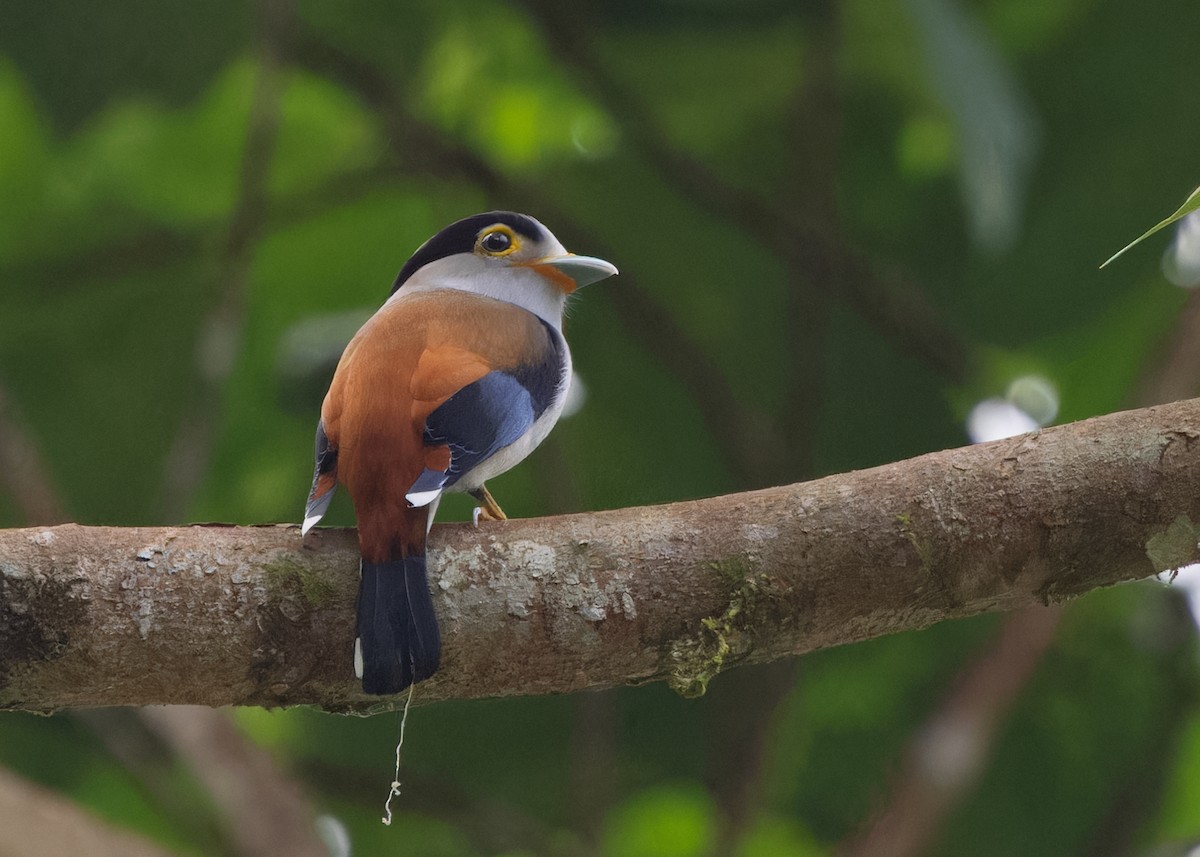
(514, 284)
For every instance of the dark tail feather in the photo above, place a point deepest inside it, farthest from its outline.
(398, 636)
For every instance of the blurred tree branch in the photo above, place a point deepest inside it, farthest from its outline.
(748, 705)
(813, 249)
(1174, 371)
(35, 822)
(226, 615)
(752, 441)
(156, 246)
(494, 824)
(946, 757)
(221, 333)
(265, 810)
(1139, 795)
(802, 235)
(744, 434)
(23, 472)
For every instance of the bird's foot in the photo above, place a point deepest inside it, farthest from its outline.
(489, 510)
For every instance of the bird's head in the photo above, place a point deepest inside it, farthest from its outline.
(503, 255)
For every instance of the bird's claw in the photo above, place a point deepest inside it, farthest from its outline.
(489, 510)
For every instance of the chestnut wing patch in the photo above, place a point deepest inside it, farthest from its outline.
(490, 413)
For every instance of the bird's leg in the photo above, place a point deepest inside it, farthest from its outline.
(489, 510)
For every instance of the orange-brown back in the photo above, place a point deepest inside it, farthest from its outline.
(408, 359)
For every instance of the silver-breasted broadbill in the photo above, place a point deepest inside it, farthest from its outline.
(460, 374)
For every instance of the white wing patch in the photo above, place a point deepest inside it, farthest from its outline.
(422, 498)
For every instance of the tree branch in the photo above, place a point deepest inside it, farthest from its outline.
(226, 615)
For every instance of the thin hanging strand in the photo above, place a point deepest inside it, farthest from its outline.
(395, 789)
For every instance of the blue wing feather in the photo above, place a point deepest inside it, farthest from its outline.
(481, 418)
(326, 464)
(491, 413)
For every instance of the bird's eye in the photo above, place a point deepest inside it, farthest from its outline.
(495, 242)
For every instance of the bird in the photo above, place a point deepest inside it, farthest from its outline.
(457, 377)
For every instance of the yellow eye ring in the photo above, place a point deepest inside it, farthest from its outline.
(498, 240)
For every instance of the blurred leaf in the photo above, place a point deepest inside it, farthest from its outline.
(488, 77)
(664, 822)
(1179, 820)
(773, 837)
(926, 147)
(1023, 26)
(122, 130)
(997, 129)
(24, 162)
(324, 133)
(180, 166)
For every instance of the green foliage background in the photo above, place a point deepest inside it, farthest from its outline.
(768, 176)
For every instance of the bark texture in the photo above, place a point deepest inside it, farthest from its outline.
(219, 615)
